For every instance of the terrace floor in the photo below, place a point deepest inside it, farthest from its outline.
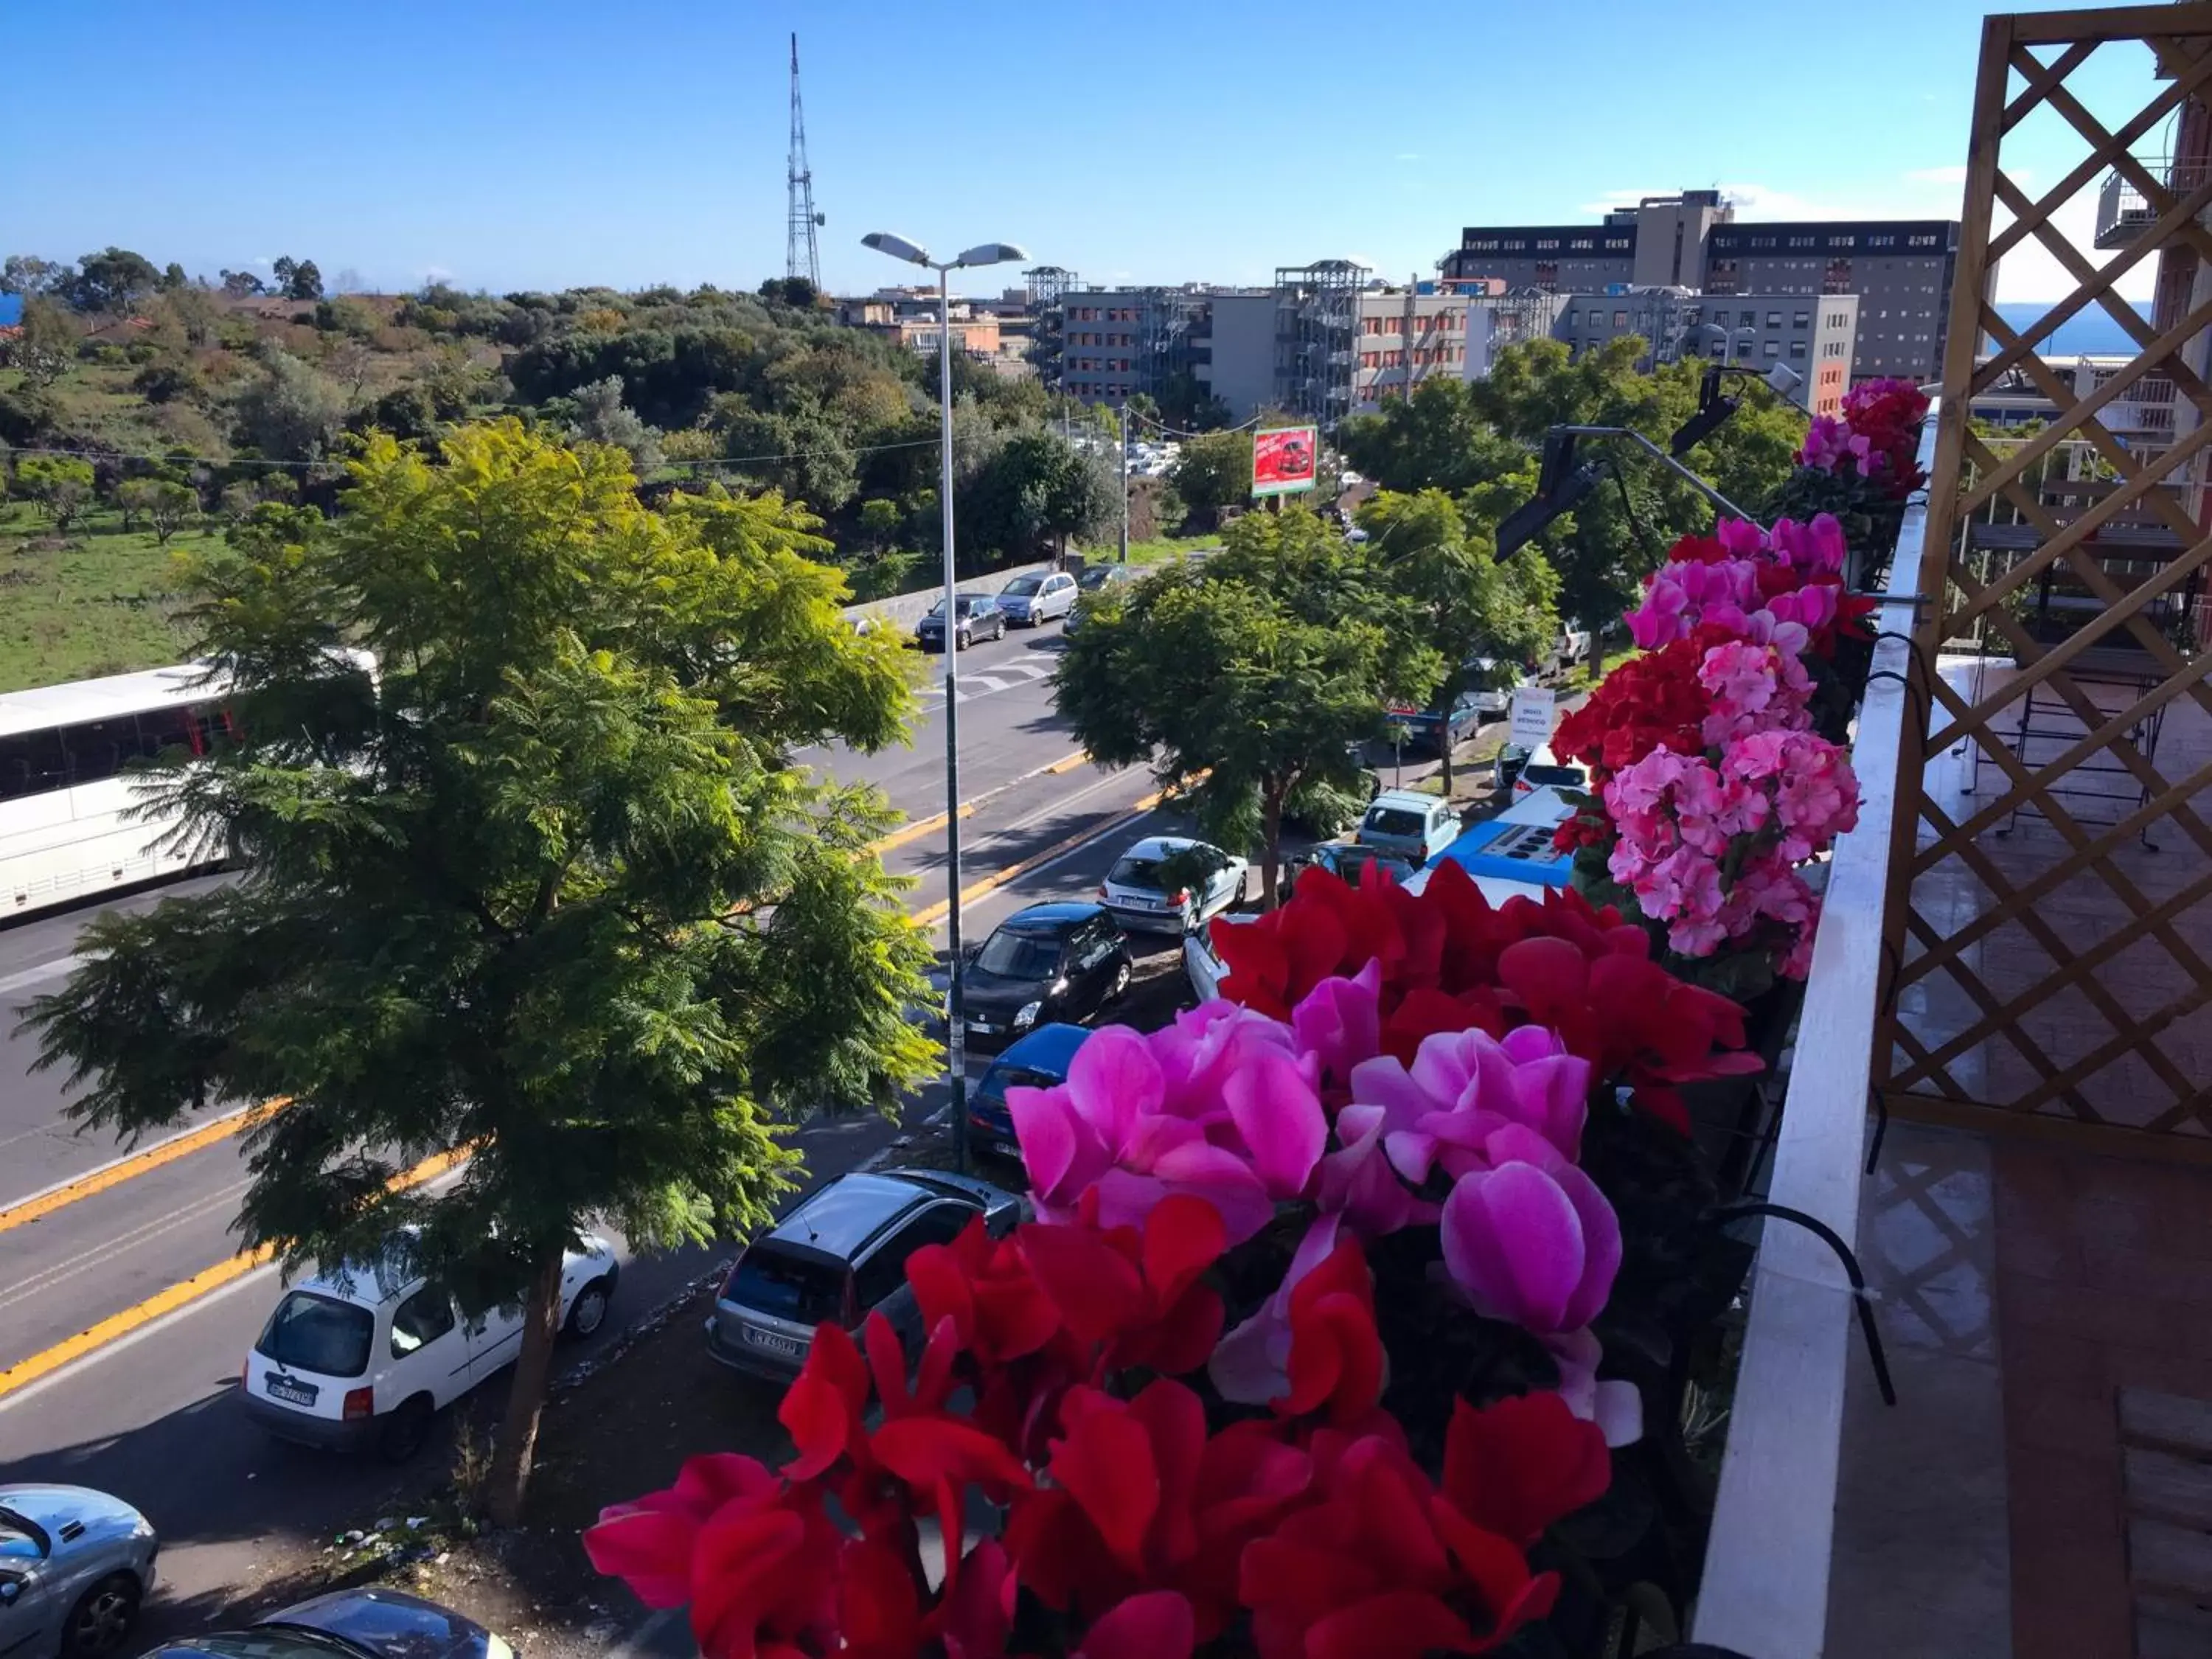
(2044, 1487)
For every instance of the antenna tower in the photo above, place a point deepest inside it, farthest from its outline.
(802, 255)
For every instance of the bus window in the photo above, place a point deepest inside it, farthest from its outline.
(97, 749)
(31, 763)
(160, 729)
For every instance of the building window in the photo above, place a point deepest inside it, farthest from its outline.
(1772, 348)
(1746, 319)
(1797, 349)
(1802, 319)
(1774, 320)
(1620, 319)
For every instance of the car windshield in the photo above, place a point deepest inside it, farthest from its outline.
(19, 1540)
(968, 607)
(1013, 954)
(787, 1285)
(999, 1078)
(1394, 821)
(1022, 586)
(1097, 577)
(319, 1333)
(1136, 872)
(1557, 777)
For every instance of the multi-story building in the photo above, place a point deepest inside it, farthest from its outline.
(1811, 333)
(1900, 269)
(1496, 321)
(1115, 342)
(1406, 335)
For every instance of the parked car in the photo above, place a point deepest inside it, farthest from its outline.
(840, 1255)
(368, 1354)
(1574, 644)
(372, 1623)
(1171, 884)
(1039, 1060)
(1493, 696)
(1416, 827)
(1541, 770)
(1432, 729)
(979, 619)
(1036, 599)
(1049, 962)
(1096, 579)
(1353, 861)
(350, 1624)
(74, 1564)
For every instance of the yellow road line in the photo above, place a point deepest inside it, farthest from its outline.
(90, 1341)
(921, 827)
(930, 916)
(130, 1169)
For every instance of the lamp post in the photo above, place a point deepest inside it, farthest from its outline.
(956, 1014)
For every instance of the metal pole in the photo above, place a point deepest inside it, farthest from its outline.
(1125, 484)
(956, 1045)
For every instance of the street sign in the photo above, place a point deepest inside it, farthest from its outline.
(1532, 717)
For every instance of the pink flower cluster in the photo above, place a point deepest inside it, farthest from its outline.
(1251, 1113)
(1709, 843)
(1876, 437)
(1779, 587)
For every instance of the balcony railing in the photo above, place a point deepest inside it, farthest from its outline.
(2123, 213)
(1765, 1587)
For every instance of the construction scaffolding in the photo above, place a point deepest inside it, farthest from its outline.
(1317, 337)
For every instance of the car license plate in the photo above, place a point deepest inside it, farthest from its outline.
(1007, 1148)
(291, 1393)
(783, 1345)
(981, 1027)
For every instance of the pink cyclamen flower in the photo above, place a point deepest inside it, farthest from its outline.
(1461, 1088)
(1530, 1239)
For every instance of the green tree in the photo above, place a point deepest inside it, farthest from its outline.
(1469, 604)
(1212, 472)
(601, 419)
(168, 506)
(27, 274)
(305, 282)
(240, 284)
(60, 484)
(545, 897)
(44, 345)
(111, 282)
(290, 412)
(1038, 486)
(1435, 440)
(172, 277)
(880, 520)
(1247, 679)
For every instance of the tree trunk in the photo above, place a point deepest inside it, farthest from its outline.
(525, 1400)
(1271, 845)
(1444, 750)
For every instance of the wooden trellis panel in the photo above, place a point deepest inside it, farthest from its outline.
(2049, 911)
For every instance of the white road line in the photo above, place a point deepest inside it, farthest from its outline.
(54, 969)
(117, 1245)
(135, 1153)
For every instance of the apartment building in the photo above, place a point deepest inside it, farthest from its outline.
(1115, 343)
(1900, 269)
(1406, 336)
(1813, 334)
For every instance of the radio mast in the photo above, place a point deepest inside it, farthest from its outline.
(802, 255)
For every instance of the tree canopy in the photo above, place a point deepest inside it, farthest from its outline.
(543, 895)
(1212, 472)
(1249, 677)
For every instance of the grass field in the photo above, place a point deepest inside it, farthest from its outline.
(95, 601)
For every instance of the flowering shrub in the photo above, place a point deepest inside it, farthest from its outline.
(1877, 437)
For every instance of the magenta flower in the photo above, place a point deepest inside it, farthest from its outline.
(1615, 1407)
(1461, 1088)
(1531, 1239)
(1339, 1022)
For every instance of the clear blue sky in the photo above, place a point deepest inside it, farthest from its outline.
(542, 144)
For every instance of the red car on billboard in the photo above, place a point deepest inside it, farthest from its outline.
(1283, 459)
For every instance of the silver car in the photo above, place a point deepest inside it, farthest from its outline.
(1173, 884)
(74, 1567)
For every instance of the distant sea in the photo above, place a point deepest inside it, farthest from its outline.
(11, 308)
(2091, 330)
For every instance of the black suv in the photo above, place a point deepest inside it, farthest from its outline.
(1050, 962)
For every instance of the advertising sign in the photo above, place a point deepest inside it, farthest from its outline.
(1532, 717)
(1283, 459)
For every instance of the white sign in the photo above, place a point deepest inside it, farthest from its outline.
(1532, 717)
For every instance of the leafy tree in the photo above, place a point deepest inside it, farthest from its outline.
(28, 274)
(1247, 679)
(1212, 472)
(1038, 486)
(60, 484)
(1435, 440)
(1469, 604)
(111, 282)
(291, 413)
(240, 284)
(601, 419)
(44, 344)
(794, 291)
(880, 522)
(305, 282)
(168, 506)
(349, 316)
(172, 277)
(545, 895)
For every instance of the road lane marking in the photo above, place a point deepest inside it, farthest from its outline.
(118, 1326)
(53, 969)
(931, 915)
(118, 1244)
(131, 1165)
(921, 827)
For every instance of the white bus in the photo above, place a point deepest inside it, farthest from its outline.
(65, 830)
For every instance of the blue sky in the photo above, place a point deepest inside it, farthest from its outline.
(508, 145)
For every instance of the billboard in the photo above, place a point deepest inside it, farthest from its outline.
(1283, 459)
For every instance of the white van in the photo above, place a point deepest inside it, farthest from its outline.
(367, 1356)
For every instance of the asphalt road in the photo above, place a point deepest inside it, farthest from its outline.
(147, 1414)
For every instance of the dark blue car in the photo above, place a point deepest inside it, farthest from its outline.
(1039, 1061)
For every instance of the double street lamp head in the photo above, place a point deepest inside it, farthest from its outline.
(983, 253)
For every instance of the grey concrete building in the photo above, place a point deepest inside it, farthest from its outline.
(1900, 269)
(1236, 358)
(1813, 334)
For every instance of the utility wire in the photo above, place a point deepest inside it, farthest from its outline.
(174, 458)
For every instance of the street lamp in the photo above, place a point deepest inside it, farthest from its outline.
(956, 1014)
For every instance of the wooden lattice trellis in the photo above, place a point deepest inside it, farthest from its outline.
(1995, 1018)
